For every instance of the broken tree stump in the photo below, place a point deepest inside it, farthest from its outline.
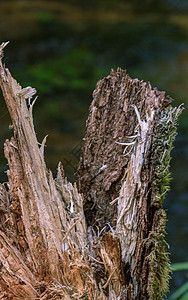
(106, 238)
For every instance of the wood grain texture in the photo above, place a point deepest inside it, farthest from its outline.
(112, 119)
(106, 238)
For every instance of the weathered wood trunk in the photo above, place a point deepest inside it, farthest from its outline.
(105, 240)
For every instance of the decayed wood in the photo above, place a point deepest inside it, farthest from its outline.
(114, 119)
(129, 135)
(41, 222)
(106, 242)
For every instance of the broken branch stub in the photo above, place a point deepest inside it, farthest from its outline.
(39, 223)
(123, 175)
(107, 243)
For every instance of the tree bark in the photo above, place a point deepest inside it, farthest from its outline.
(106, 239)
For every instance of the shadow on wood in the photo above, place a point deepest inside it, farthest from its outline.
(106, 239)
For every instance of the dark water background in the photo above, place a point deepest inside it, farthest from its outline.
(62, 48)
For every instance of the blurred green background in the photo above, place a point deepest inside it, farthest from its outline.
(62, 48)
